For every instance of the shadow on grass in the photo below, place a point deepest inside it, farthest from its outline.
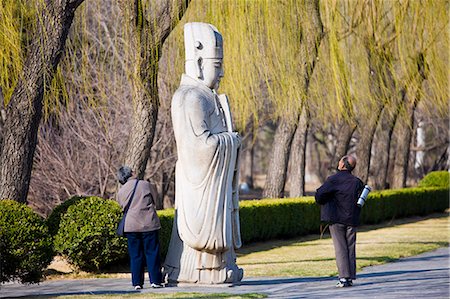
(296, 241)
(379, 259)
(119, 267)
(287, 262)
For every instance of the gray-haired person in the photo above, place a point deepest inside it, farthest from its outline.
(141, 227)
(338, 197)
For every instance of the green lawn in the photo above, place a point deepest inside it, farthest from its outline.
(376, 244)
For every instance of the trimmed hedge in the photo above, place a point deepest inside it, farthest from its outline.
(389, 204)
(25, 245)
(436, 179)
(166, 219)
(278, 218)
(87, 234)
(289, 217)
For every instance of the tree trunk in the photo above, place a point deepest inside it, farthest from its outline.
(382, 87)
(276, 173)
(310, 42)
(2, 117)
(401, 162)
(298, 159)
(381, 157)
(364, 148)
(24, 110)
(248, 158)
(142, 132)
(344, 137)
(152, 24)
(406, 128)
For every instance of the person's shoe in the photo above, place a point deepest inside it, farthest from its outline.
(343, 283)
(156, 285)
(137, 288)
(350, 282)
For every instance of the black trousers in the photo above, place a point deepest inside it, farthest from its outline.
(344, 241)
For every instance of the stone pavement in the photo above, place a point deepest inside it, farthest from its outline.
(422, 276)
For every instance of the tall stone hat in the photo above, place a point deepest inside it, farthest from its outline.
(202, 40)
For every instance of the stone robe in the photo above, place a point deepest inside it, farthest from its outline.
(206, 226)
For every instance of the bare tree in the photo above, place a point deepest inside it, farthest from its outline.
(24, 110)
(79, 155)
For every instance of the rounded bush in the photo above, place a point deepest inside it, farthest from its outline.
(25, 244)
(87, 234)
(54, 218)
(436, 179)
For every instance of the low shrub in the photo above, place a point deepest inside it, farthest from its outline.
(261, 220)
(87, 234)
(288, 217)
(166, 219)
(25, 245)
(278, 218)
(54, 218)
(436, 179)
(391, 204)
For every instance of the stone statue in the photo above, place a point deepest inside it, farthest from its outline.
(206, 228)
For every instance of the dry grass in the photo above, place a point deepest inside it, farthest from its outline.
(378, 244)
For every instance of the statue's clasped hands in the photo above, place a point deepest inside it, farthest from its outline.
(238, 138)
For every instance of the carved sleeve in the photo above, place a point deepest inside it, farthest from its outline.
(199, 112)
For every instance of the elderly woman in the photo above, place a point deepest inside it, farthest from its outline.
(141, 227)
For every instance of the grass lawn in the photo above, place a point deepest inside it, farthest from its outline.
(376, 244)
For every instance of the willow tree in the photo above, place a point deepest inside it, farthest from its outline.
(342, 19)
(381, 25)
(303, 32)
(43, 48)
(403, 83)
(377, 33)
(149, 24)
(258, 56)
(312, 34)
(423, 49)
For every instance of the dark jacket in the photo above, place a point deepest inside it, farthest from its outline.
(338, 197)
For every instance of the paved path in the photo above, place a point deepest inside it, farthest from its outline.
(423, 276)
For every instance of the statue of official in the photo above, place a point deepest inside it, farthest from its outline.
(206, 227)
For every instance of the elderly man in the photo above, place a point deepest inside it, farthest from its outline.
(338, 199)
